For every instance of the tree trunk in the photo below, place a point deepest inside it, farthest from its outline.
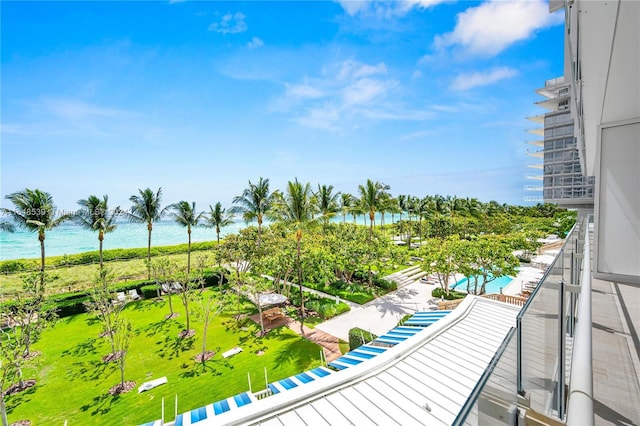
(100, 238)
(41, 238)
(150, 228)
(3, 410)
(259, 229)
(204, 337)
(298, 238)
(260, 313)
(170, 303)
(121, 360)
(189, 253)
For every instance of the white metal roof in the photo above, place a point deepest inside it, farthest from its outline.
(423, 380)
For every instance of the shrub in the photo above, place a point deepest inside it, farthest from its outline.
(149, 291)
(453, 295)
(359, 337)
(12, 266)
(384, 284)
(72, 307)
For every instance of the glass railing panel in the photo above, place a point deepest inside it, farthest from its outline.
(494, 400)
(539, 340)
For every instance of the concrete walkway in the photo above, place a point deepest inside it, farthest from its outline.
(382, 314)
(329, 343)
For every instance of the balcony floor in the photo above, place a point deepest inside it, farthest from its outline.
(616, 353)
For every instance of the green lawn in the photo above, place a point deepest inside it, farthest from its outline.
(73, 382)
(80, 277)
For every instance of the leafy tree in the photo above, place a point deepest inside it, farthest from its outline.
(122, 337)
(218, 218)
(186, 293)
(146, 209)
(185, 215)
(208, 306)
(162, 271)
(102, 306)
(96, 216)
(255, 287)
(439, 258)
(254, 203)
(34, 210)
(277, 258)
(25, 317)
(294, 208)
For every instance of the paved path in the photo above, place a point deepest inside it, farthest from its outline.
(382, 314)
(328, 342)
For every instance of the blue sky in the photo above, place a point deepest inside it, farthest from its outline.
(199, 97)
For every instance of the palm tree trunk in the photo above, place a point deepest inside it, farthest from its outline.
(299, 237)
(100, 238)
(259, 229)
(189, 253)
(149, 228)
(41, 238)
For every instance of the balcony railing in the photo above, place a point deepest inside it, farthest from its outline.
(532, 370)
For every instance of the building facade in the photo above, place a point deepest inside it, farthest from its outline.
(563, 178)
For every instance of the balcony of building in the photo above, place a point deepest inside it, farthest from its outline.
(537, 142)
(573, 357)
(536, 118)
(539, 131)
(536, 154)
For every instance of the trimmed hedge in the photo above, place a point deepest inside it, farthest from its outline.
(453, 295)
(149, 291)
(72, 303)
(359, 337)
(90, 257)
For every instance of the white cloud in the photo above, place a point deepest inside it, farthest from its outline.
(255, 43)
(352, 70)
(365, 90)
(385, 8)
(231, 23)
(304, 90)
(493, 26)
(353, 7)
(475, 79)
(345, 95)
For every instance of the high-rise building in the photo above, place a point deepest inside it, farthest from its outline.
(563, 178)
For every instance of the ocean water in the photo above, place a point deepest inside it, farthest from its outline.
(69, 238)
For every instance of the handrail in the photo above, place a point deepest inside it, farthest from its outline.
(531, 299)
(580, 400)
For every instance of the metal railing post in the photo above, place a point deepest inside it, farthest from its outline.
(519, 356)
(561, 352)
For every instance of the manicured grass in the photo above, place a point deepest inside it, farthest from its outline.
(356, 293)
(73, 382)
(80, 277)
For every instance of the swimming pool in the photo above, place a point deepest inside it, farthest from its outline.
(492, 286)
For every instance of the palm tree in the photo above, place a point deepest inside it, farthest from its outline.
(35, 211)
(254, 203)
(185, 214)
(346, 204)
(295, 208)
(372, 198)
(96, 216)
(327, 202)
(146, 209)
(218, 218)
